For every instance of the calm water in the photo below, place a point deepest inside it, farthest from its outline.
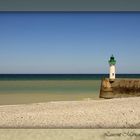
(62, 76)
(30, 88)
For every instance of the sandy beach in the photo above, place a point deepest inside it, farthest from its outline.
(69, 134)
(112, 113)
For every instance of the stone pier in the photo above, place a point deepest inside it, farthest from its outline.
(119, 88)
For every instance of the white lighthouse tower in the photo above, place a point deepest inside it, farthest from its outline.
(112, 63)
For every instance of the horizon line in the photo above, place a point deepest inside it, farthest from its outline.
(65, 73)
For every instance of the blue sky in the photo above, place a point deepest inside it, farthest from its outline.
(69, 42)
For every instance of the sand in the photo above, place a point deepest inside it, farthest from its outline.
(112, 113)
(69, 134)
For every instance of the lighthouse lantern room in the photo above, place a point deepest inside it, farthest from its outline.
(112, 63)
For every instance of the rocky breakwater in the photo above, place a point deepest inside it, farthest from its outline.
(119, 88)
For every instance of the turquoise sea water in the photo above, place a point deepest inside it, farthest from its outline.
(30, 88)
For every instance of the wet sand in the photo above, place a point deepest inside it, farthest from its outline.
(112, 113)
(27, 98)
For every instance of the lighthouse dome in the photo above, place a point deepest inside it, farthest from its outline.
(112, 60)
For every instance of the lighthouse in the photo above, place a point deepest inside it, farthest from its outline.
(112, 63)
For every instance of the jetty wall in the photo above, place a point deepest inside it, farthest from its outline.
(119, 88)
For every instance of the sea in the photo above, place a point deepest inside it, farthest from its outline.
(36, 88)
